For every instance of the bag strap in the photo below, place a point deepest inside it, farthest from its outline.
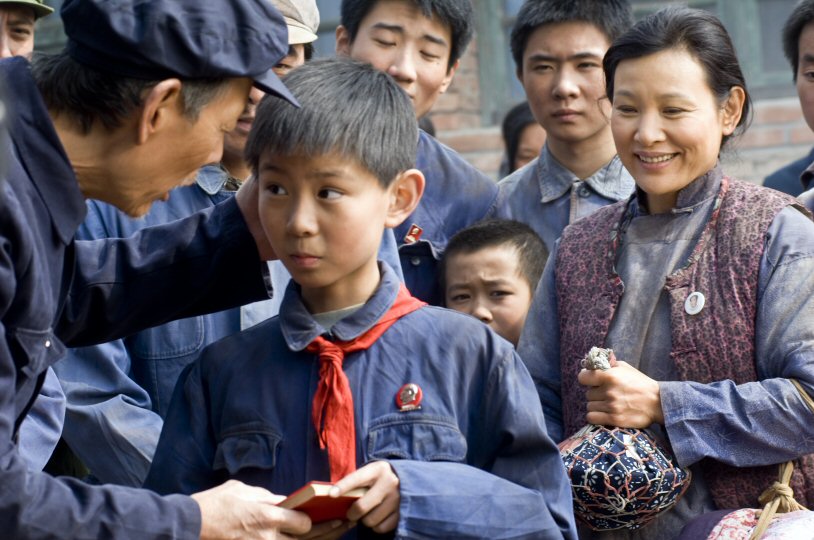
(779, 498)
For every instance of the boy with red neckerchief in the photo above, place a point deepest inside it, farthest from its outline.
(356, 382)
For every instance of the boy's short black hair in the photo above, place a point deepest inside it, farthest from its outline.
(348, 108)
(457, 15)
(612, 17)
(531, 251)
(802, 14)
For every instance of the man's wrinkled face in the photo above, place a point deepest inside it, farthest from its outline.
(16, 30)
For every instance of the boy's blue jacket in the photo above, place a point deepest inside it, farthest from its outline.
(473, 462)
(119, 392)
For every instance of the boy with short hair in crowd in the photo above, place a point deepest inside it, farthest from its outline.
(558, 47)
(491, 270)
(355, 372)
(420, 43)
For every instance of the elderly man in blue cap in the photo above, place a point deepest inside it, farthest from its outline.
(139, 100)
(119, 392)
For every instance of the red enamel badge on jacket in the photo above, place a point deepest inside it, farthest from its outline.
(409, 397)
(413, 234)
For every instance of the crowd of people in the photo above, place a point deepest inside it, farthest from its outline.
(229, 269)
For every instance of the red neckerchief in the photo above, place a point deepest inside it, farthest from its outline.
(332, 412)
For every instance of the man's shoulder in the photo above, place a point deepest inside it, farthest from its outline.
(105, 220)
(433, 154)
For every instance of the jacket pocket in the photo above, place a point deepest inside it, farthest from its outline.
(247, 447)
(34, 350)
(421, 437)
(170, 340)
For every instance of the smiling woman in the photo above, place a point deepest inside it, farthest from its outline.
(695, 283)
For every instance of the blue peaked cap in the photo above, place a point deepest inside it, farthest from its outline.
(187, 39)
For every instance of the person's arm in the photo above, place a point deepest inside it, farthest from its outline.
(513, 485)
(764, 422)
(186, 449)
(207, 262)
(42, 427)
(539, 347)
(109, 424)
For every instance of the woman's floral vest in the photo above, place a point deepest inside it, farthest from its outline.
(716, 344)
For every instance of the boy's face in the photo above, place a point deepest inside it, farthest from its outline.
(564, 82)
(395, 37)
(324, 216)
(805, 73)
(488, 285)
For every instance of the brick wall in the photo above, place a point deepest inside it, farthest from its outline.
(778, 133)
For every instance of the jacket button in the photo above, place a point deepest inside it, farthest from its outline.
(415, 261)
(47, 343)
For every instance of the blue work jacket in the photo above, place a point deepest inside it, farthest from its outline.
(473, 461)
(56, 291)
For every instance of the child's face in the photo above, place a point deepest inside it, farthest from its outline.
(564, 82)
(395, 37)
(324, 217)
(488, 285)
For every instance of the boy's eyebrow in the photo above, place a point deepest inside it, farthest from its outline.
(400, 30)
(808, 58)
(537, 57)
(324, 173)
(496, 281)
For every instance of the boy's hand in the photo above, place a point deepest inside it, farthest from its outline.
(235, 510)
(330, 530)
(622, 396)
(248, 200)
(379, 507)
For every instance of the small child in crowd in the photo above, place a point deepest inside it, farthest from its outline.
(439, 414)
(491, 270)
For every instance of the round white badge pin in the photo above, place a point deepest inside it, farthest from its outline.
(694, 303)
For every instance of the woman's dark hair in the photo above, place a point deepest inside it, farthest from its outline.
(514, 123)
(696, 31)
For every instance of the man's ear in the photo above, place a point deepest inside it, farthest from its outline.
(343, 41)
(450, 74)
(161, 102)
(405, 193)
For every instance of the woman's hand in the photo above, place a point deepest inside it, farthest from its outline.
(622, 396)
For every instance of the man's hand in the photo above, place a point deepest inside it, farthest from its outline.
(235, 510)
(622, 396)
(248, 200)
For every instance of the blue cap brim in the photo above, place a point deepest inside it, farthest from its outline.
(270, 83)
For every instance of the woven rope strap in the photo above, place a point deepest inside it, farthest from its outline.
(779, 498)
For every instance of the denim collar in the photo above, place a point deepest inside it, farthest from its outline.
(39, 149)
(693, 194)
(612, 181)
(299, 327)
(211, 178)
